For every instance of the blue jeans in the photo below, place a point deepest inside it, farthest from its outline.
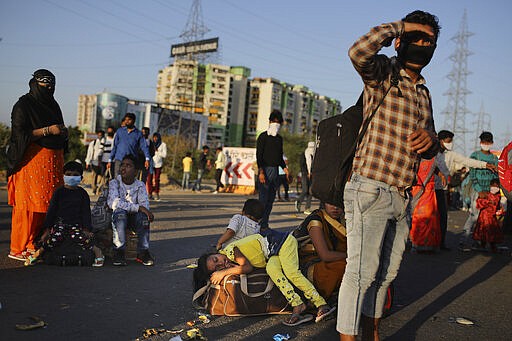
(267, 193)
(185, 180)
(121, 220)
(197, 185)
(378, 220)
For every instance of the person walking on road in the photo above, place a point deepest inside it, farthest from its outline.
(480, 182)
(306, 162)
(203, 165)
(153, 181)
(93, 160)
(220, 163)
(269, 155)
(377, 196)
(187, 168)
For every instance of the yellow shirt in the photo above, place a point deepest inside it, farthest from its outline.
(187, 164)
(251, 247)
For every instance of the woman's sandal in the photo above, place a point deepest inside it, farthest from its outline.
(31, 260)
(98, 262)
(296, 319)
(324, 313)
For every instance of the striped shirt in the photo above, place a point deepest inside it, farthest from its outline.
(384, 153)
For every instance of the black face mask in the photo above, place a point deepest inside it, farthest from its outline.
(110, 134)
(415, 54)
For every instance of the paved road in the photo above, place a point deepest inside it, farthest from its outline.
(117, 303)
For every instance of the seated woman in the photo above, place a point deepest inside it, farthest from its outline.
(277, 253)
(323, 249)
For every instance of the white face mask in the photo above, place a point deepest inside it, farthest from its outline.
(448, 146)
(485, 147)
(495, 190)
(273, 128)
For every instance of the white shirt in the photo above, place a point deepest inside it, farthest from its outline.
(95, 152)
(243, 227)
(160, 155)
(454, 162)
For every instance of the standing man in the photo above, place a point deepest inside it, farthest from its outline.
(377, 196)
(269, 155)
(93, 160)
(480, 182)
(107, 148)
(127, 141)
(306, 163)
(151, 148)
(220, 163)
(202, 166)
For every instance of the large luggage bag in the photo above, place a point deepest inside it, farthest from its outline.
(242, 295)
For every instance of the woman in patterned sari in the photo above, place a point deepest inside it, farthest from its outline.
(35, 159)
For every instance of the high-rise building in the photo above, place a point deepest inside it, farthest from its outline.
(216, 91)
(302, 108)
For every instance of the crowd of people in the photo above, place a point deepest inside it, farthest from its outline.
(343, 255)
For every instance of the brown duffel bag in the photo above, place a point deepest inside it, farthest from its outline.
(242, 295)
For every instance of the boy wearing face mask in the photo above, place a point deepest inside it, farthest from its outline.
(480, 182)
(269, 156)
(452, 161)
(68, 217)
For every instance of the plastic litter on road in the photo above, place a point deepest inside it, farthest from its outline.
(281, 337)
(38, 323)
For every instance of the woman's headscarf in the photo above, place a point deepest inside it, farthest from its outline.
(34, 110)
(158, 140)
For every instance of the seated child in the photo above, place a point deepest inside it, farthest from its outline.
(242, 225)
(68, 217)
(277, 253)
(488, 229)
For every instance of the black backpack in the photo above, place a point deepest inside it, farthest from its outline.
(336, 140)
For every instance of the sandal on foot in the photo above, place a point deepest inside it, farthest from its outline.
(324, 313)
(296, 319)
(31, 260)
(98, 262)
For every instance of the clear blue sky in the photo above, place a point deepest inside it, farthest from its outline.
(119, 46)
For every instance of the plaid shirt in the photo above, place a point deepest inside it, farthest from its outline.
(384, 153)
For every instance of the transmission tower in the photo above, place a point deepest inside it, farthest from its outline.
(483, 123)
(456, 110)
(195, 29)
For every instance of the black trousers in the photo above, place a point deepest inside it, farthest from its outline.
(218, 174)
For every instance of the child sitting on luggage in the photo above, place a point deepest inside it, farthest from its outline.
(242, 225)
(277, 253)
(68, 217)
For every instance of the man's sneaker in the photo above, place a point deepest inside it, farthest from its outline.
(307, 212)
(145, 258)
(118, 258)
(157, 197)
(297, 206)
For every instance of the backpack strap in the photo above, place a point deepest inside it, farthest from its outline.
(394, 82)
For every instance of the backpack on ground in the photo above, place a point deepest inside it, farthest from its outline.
(68, 254)
(242, 295)
(337, 138)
